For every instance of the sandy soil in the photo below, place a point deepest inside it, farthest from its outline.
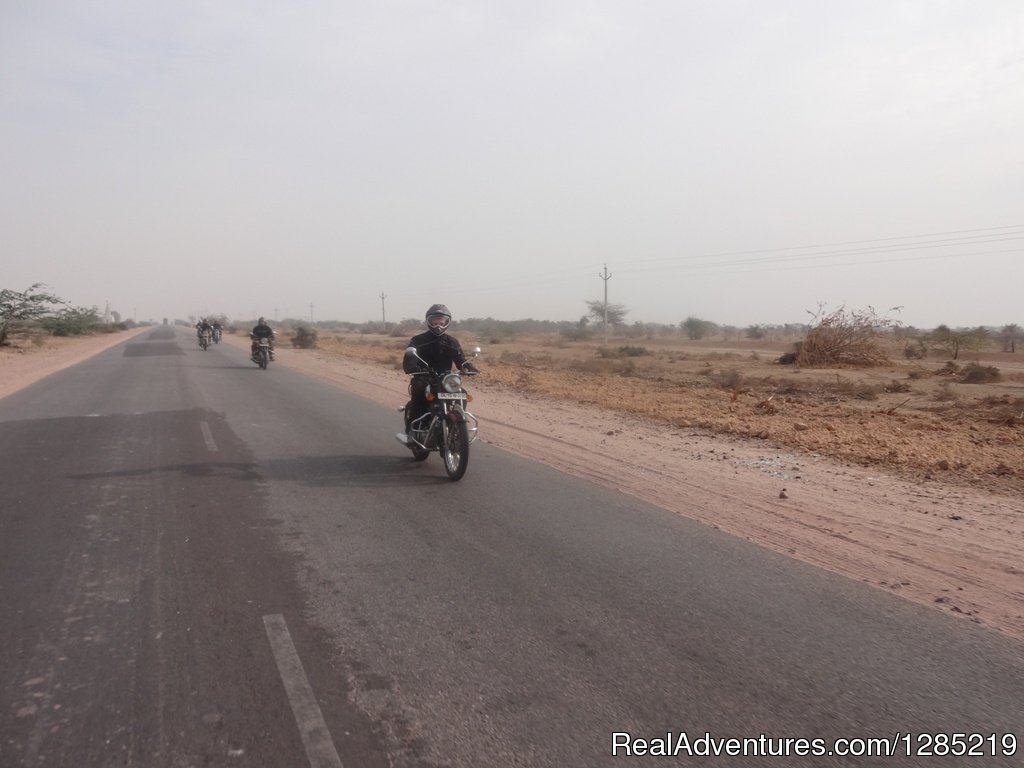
(950, 545)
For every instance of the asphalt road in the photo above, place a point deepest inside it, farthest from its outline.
(205, 564)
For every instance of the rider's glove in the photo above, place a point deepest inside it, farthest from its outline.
(468, 367)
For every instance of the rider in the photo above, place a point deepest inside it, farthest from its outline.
(440, 351)
(261, 331)
(202, 326)
(218, 329)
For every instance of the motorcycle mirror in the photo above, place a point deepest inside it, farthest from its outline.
(476, 351)
(410, 350)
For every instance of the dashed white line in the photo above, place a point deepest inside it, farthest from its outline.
(207, 436)
(315, 737)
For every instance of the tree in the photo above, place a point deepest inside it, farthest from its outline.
(616, 312)
(71, 321)
(17, 307)
(953, 342)
(696, 328)
(1010, 335)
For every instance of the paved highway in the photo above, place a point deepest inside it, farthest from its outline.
(202, 563)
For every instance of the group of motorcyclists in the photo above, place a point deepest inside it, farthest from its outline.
(259, 331)
(433, 351)
(212, 331)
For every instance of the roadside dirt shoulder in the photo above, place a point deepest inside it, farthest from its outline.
(29, 362)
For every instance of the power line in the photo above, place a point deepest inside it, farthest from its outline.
(830, 255)
(775, 258)
(846, 242)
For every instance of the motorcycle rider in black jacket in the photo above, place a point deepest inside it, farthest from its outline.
(440, 351)
(261, 331)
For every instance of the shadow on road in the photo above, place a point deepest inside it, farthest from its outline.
(314, 471)
(355, 471)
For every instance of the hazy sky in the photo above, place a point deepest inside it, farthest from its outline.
(740, 161)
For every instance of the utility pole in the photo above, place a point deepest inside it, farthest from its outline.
(311, 313)
(606, 276)
(383, 318)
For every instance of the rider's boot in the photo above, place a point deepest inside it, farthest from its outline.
(403, 437)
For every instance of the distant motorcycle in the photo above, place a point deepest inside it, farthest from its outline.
(204, 340)
(447, 427)
(216, 335)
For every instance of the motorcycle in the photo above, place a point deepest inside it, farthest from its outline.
(204, 340)
(262, 356)
(447, 427)
(216, 335)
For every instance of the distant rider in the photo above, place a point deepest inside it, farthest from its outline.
(440, 351)
(218, 331)
(261, 331)
(203, 326)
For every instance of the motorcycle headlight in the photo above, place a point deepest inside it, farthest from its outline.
(452, 383)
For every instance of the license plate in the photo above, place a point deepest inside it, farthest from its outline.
(450, 396)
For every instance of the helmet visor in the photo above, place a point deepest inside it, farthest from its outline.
(438, 321)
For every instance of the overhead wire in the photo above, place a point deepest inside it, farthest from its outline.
(773, 258)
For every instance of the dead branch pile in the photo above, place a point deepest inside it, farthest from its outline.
(845, 338)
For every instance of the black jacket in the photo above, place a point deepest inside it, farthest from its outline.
(440, 352)
(262, 331)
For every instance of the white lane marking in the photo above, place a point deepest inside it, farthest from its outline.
(207, 436)
(315, 736)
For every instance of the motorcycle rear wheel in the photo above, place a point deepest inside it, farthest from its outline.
(455, 447)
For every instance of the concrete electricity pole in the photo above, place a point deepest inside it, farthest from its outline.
(383, 318)
(606, 276)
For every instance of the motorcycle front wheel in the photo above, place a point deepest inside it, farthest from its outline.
(455, 447)
(264, 359)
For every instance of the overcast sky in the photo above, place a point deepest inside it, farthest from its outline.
(742, 161)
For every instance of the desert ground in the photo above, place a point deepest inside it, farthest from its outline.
(904, 476)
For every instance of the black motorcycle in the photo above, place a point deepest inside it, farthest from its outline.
(447, 427)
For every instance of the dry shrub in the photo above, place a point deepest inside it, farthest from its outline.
(729, 379)
(600, 366)
(944, 392)
(624, 351)
(513, 358)
(305, 338)
(975, 373)
(845, 338)
(915, 350)
(861, 390)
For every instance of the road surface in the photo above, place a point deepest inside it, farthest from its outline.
(202, 563)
